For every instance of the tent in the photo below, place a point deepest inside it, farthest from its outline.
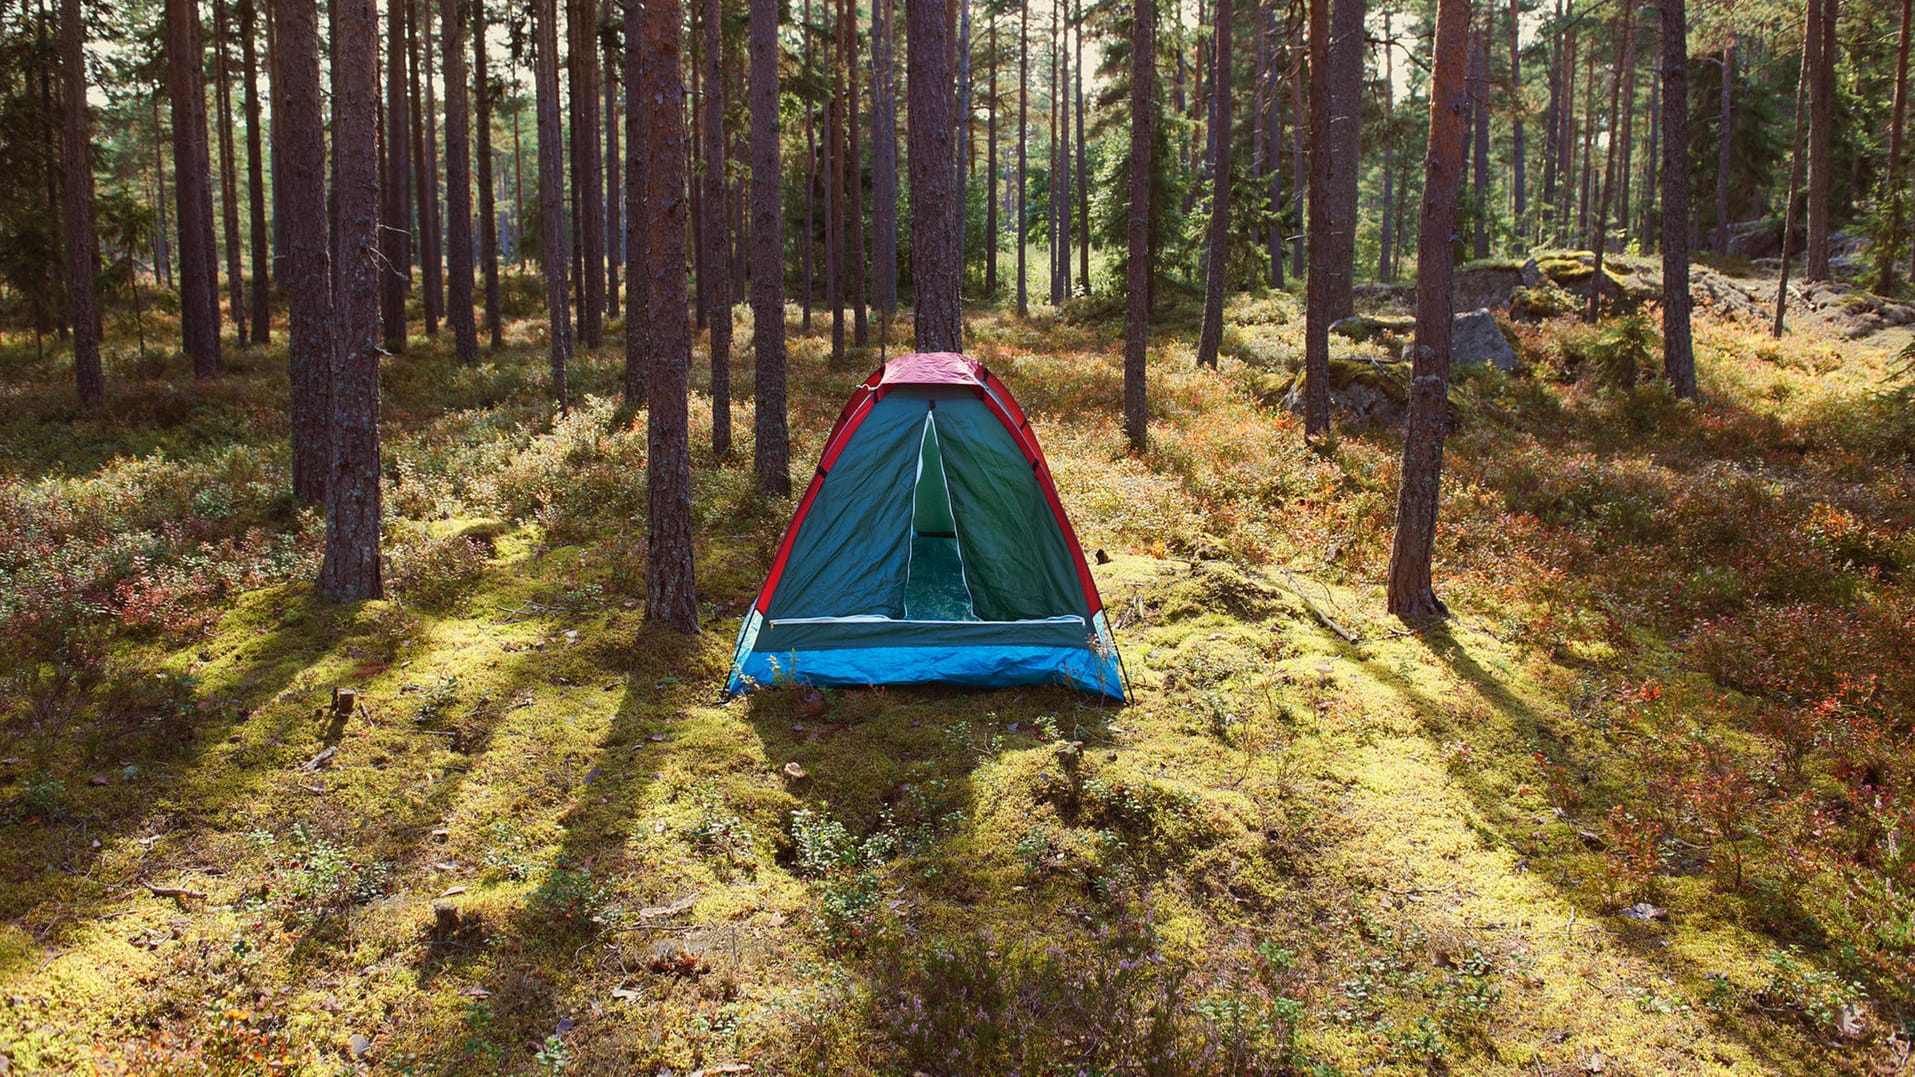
(930, 547)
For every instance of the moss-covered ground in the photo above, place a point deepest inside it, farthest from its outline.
(1641, 807)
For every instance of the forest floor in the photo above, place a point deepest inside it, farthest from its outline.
(1642, 806)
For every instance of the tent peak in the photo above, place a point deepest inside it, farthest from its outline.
(932, 368)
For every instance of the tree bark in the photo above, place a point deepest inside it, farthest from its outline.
(256, 178)
(1411, 594)
(670, 595)
(1275, 121)
(193, 187)
(1619, 87)
(640, 158)
(1678, 350)
(554, 237)
(395, 227)
(424, 168)
(1023, 152)
(854, 259)
(1143, 78)
(350, 568)
(807, 248)
(1479, 112)
(1820, 57)
(228, 174)
(936, 261)
(1210, 337)
(488, 208)
(717, 253)
(990, 170)
(1723, 144)
(1894, 196)
(834, 188)
(590, 209)
(772, 442)
(1336, 83)
(1083, 161)
(1789, 195)
(465, 334)
(1519, 149)
(300, 134)
(1386, 246)
(82, 243)
(614, 185)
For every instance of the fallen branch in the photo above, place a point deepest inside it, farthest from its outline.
(1296, 588)
(174, 892)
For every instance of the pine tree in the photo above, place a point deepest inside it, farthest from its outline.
(81, 243)
(300, 133)
(1410, 592)
(771, 448)
(659, 94)
(350, 569)
(193, 186)
(936, 260)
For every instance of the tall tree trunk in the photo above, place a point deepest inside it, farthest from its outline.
(614, 185)
(961, 112)
(465, 334)
(299, 130)
(807, 249)
(1723, 145)
(256, 178)
(990, 171)
(670, 595)
(423, 167)
(193, 186)
(350, 568)
(1519, 149)
(1589, 177)
(1894, 196)
(554, 237)
(834, 188)
(1060, 162)
(1790, 195)
(1646, 229)
(1275, 120)
(1298, 181)
(1479, 62)
(584, 106)
(937, 265)
(395, 226)
(1386, 246)
(1023, 151)
(488, 208)
(1083, 161)
(81, 243)
(717, 255)
(162, 250)
(771, 460)
(228, 174)
(1678, 351)
(434, 225)
(640, 159)
(1336, 85)
(1210, 338)
(855, 265)
(1411, 594)
(1821, 60)
(1625, 61)
(1143, 106)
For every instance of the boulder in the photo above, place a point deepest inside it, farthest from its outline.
(1476, 338)
(1364, 328)
(1492, 284)
(1761, 239)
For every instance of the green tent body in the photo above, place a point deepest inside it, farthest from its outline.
(930, 547)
